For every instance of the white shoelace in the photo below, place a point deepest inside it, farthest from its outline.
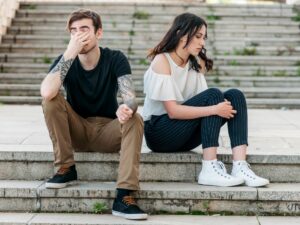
(221, 166)
(247, 168)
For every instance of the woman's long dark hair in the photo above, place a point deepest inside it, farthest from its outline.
(186, 23)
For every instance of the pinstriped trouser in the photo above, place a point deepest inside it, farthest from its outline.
(163, 134)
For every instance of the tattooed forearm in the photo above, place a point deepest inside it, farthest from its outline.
(126, 89)
(63, 67)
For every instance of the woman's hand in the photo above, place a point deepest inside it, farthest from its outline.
(225, 110)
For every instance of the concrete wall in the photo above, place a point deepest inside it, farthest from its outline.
(7, 12)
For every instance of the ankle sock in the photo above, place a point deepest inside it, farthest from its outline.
(122, 192)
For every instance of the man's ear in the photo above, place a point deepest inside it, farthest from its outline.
(99, 33)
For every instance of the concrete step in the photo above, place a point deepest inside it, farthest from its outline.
(234, 60)
(32, 161)
(141, 51)
(227, 70)
(221, 81)
(144, 39)
(170, 197)
(250, 92)
(21, 78)
(58, 39)
(127, 31)
(140, 23)
(84, 219)
(156, 4)
(164, 13)
(252, 103)
(140, 59)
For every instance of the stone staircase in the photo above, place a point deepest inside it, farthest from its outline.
(255, 48)
(168, 185)
(168, 181)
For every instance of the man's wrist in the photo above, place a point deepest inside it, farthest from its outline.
(131, 103)
(69, 54)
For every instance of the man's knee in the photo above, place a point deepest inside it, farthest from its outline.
(53, 105)
(136, 120)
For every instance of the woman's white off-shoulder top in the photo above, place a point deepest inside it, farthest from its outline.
(181, 85)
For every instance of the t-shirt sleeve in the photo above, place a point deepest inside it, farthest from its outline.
(54, 63)
(121, 65)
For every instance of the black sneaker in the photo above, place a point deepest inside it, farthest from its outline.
(62, 177)
(128, 209)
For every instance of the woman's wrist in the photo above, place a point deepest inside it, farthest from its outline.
(213, 110)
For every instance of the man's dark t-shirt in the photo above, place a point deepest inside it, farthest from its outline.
(94, 92)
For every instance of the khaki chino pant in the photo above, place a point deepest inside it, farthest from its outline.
(69, 131)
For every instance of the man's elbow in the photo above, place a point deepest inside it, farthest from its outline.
(47, 95)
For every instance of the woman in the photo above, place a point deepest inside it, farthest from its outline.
(180, 112)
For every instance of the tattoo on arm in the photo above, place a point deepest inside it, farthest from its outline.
(126, 89)
(63, 67)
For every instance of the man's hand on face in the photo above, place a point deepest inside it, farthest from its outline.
(124, 113)
(77, 43)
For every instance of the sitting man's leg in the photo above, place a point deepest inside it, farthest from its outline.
(67, 131)
(126, 138)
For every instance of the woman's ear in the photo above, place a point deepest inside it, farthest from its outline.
(183, 39)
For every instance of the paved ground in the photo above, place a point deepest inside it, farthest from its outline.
(30, 218)
(22, 128)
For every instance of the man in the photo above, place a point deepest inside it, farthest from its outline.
(90, 119)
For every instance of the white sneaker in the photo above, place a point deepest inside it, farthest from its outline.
(242, 170)
(214, 173)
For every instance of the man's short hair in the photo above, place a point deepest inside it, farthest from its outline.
(85, 14)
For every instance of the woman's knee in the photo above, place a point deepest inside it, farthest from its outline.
(232, 94)
(215, 95)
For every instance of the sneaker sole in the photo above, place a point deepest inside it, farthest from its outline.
(130, 216)
(58, 185)
(258, 185)
(219, 184)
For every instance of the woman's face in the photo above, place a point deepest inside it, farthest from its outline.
(197, 42)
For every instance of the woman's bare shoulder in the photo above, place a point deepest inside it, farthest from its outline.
(160, 64)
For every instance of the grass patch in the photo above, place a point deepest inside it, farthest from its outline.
(131, 33)
(130, 51)
(237, 82)
(141, 15)
(99, 208)
(46, 60)
(212, 17)
(296, 18)
(254, 44)
(31, 6)
(114, 24)
(279, 74)
(66, 41)
(298, 72)
(245, 51)
(144, 62)
(233, 63)
(259, 73)
(216, 80)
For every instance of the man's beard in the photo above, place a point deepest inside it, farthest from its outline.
(86, 51)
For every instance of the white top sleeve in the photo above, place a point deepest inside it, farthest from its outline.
(161, 87)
